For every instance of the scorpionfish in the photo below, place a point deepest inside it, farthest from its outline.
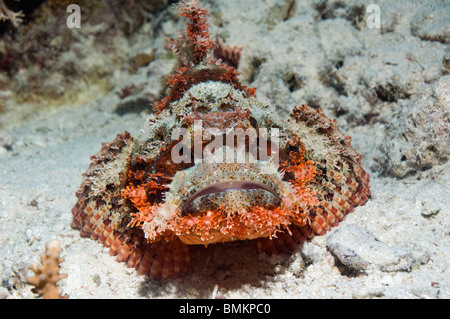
(213, 164)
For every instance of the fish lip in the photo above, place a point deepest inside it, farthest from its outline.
(233, 185)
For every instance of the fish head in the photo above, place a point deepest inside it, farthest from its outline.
(230, 167)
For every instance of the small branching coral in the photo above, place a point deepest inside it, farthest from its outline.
(46, 275)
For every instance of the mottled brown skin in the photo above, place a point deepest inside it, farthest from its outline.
(105, 216)
(130, 183)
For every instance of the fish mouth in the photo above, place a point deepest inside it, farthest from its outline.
(211, 203)
(232, 196)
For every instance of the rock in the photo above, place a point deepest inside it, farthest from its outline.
(282, 78)
(419, 133)
(338, 39)
(352, 10)
(360, 250)
(397, 16)
(432, 22)
(389, 76)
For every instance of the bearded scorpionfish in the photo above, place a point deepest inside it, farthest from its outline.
(214, 165)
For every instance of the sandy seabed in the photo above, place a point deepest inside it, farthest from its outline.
(396, 246)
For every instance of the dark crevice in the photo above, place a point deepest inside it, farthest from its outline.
(255, 65)
(390, 93)
(346, 270)
(133, 106)
(294, 82)
(291, 9)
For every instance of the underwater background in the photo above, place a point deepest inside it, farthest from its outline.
(382, 71)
